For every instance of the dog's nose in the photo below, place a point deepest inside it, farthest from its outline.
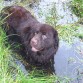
(34, 42)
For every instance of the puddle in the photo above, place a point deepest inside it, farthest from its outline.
(69, 61)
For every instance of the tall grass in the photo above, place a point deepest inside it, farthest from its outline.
(4, 54)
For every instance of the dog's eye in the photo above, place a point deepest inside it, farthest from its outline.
(44, 37)
(36, 32)
(44, 33)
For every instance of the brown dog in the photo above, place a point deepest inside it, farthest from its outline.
(40, 41)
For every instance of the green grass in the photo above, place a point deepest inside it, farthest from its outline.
(68, 32)
(77, 7)
(4, 54)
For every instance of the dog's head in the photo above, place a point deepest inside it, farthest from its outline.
(43, 38)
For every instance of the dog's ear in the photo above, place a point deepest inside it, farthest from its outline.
(56, 38)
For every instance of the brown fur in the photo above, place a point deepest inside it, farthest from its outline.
(40, 41)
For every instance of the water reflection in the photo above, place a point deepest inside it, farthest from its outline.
(68, 60)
